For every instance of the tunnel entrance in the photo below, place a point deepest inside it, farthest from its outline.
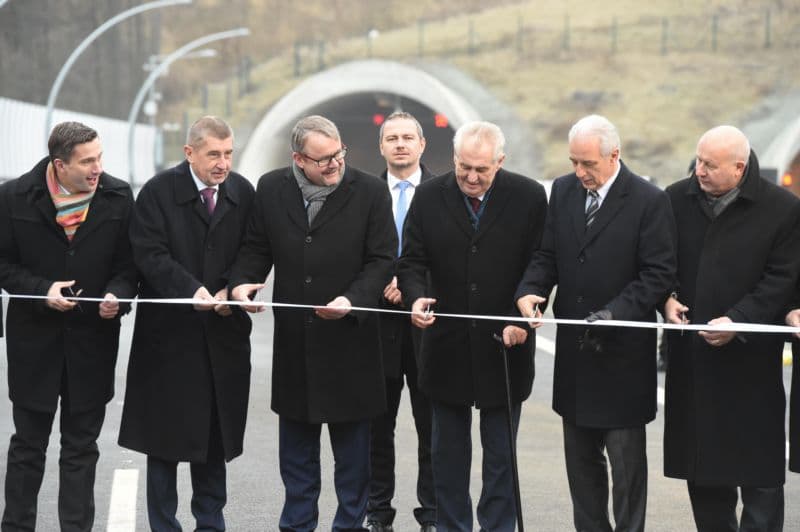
(359, 117)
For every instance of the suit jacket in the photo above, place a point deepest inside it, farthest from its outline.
(393, 325)
(624, 262)
(725, 406)
(46, 346)
(471, 272)
(183, 359)
(323, 371)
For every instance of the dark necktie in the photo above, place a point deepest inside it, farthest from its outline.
(208, 199)
(476, 204)
(592, 207)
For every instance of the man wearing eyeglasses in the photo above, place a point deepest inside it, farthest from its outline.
(327, 230)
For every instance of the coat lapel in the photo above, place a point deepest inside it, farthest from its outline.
(454, 201)
(576, 199)
(97, 215)
(612, 204)
(496, 203)
(292, 200)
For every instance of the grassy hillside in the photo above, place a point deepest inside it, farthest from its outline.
(664, 71)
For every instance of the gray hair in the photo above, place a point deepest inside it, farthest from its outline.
(401, 115)
(481, 132)
(65, 136)
(207, 126)
(598, 127)
(312, 124)
(735, 142)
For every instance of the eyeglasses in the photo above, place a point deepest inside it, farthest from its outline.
(326, 161)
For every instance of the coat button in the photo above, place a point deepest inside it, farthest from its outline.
(71, 252)
(308, 239)
(580, 299)
(309, 319)
(473, 287)
(474, 249)
(474, 323)
(308, 279)
(581, 259)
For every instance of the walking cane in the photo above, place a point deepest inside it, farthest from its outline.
(511, 440)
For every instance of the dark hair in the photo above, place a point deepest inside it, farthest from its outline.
(397, 115)
(65, 136)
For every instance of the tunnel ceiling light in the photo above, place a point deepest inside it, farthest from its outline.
(787, 180)
(378, 119)
(440, 120)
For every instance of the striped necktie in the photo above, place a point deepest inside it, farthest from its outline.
(592, 207)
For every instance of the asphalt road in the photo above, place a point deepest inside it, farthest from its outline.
(254, 485)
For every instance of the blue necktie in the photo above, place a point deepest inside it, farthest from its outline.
(400, 213)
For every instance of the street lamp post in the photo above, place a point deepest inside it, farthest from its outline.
(162, 66)
(62, 74)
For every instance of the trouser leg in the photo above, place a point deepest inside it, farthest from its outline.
(497, 507)
(25, 467)
(627, 453)
(425, 513)
(350, 444)
(587, 474)
(162, 495)
(300, 472)
(714, 507)
(77, 465)
(382, 457)
(451, 444)
(762, 509)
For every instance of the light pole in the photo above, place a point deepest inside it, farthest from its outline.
(168, 60)
(62, 74)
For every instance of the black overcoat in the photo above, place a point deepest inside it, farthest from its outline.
(323, 371)
(625, 263)
(182, 359)
(42, 344)
(725, 406)
(392, 325)
(471, 272)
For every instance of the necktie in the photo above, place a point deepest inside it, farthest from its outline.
(592, 207)
(400, 211)
(208, 199)
(476, 204)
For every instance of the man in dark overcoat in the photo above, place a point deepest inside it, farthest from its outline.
(401, 144)
(609, 248)
(63, 230)
(468, 236)
(327, 231)
(738, 238)
(189, 371)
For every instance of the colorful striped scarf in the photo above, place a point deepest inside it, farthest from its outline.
(71, 209)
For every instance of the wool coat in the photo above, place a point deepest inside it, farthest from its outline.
(471, 271)
(46, 347)
(186, 364)
(725, 405)
(623, 262)
(323, 371)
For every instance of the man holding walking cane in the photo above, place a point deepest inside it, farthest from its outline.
(492, 219)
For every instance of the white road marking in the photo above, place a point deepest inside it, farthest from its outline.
(122, 508)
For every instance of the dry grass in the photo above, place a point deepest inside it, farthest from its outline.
(661, 102)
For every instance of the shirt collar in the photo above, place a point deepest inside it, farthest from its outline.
(199, 184)
(602, 192)
(414, 179)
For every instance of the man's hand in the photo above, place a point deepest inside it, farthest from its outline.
(243, 292)
(421, 313)
(793, 319)
(675, 311)
(203, 294)
(599, 315)
(392, 294)
(338, 308)
(109, 307)
(221, 309)
(529, 308)
(513, 335)
(56, 300)
(718, 338)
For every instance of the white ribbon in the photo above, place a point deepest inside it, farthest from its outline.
(722, 327)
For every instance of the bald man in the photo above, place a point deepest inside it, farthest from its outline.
(738, 250)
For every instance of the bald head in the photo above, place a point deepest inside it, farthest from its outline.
(722, 155)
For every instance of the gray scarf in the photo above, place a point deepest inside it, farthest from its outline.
(717, 204)
(314, 195)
